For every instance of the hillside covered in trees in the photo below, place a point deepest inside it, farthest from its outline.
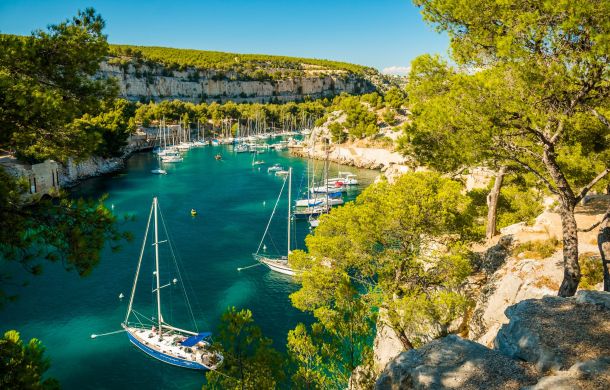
(181, 59)
(158, 73)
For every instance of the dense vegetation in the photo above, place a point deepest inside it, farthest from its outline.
(363, 116)
(270, 115)
(536, 110)
(538, 102)
(23, 366)
(50, 107)
(248, 66)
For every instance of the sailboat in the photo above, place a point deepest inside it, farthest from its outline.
(159, 152)
(156, 337)
(278, 263)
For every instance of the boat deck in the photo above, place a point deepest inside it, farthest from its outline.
(169, 344)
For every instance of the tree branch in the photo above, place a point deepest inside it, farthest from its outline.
(593, 182)
(596, 224)
(601, 117)
(535, 172)
(558, 133)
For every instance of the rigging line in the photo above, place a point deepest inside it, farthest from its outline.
(135, 280)
(185, 282)
(142, 315)
(274, 244)
(171, 248)
(179, 264)
(272, 214)
(250, 266)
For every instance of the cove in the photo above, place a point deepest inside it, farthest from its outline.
(233, 201)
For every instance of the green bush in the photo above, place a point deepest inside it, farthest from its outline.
(337, 132)
(537, 249)
(591, 270)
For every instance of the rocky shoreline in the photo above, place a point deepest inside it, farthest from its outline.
(73, 173)
(391, 164)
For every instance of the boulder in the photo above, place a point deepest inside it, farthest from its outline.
(454, 363)
(554, 333)
(591, 374)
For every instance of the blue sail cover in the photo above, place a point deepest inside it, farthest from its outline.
(195, 339)
(334, 194)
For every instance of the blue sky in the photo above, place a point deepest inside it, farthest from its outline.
(379, 33)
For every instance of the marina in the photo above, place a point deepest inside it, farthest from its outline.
(233, 201)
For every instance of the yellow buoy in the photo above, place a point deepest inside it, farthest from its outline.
(193, 212)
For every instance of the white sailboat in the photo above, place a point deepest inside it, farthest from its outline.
(278, 263)
(156, 337)
(345, 178)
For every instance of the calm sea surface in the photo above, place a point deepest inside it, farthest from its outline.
(234, 202)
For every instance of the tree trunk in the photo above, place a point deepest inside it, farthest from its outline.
(492, 203)
(571, 269)
(603, 242)
(567, 200)
(404, 340)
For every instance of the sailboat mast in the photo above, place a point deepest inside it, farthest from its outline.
(289, 203)
(157, 266)
(326, 143)
(135, 280)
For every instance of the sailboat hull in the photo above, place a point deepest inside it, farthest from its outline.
(276, 265)
(164, 357)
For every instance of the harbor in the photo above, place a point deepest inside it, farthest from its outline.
(233, 201)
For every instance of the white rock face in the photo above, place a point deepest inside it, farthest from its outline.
(386, 346)
(73, 172)
(371, 158)
(517, 280)
(209, 86)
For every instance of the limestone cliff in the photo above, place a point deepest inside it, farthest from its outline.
(143, 82)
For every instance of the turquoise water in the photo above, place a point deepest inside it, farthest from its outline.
(234, 202)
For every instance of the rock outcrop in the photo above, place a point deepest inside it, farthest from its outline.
(548, 343)
(454, 363)
(71, 173)
(555, 333)
(157, 83)
(591, 374)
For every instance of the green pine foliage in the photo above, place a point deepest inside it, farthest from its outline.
(529, 91)
(250, 66)
(250, 363)
(46, 82)
(23, 366)
(397, 254)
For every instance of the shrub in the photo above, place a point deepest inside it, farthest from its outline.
(591, 270)
(537, 249)
(337, 132)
